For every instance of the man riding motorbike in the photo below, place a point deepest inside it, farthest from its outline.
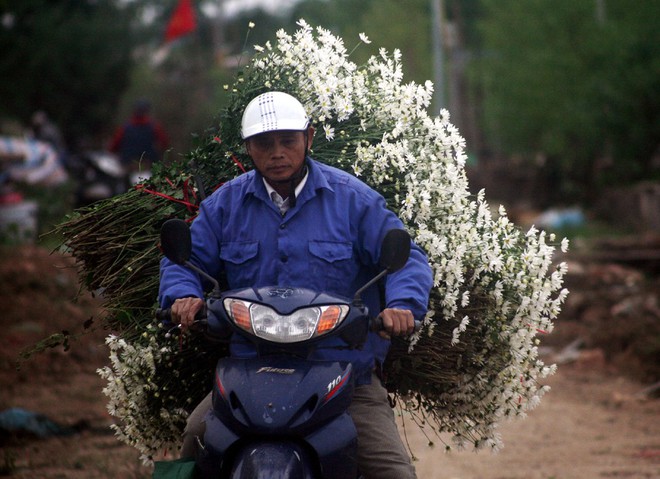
(295, 222)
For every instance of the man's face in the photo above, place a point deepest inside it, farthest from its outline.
(279, 154)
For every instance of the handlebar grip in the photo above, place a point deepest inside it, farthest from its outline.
(164, 315)
(377, 325)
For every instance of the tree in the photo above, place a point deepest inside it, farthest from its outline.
(390, 24)
(630, 91)
(579, 87)
(70, 58)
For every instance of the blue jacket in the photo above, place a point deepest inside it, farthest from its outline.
(329, 241)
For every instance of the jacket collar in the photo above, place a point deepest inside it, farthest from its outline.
(316, 180)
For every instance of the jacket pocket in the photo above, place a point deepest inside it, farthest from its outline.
(331, 251)
(240, 262)
(331, 263)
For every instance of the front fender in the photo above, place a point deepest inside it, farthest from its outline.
(274, 460)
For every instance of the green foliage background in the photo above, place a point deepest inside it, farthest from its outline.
(69, 58)
(574, 84)
(579, 86)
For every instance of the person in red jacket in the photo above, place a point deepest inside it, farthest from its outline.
(141, 141)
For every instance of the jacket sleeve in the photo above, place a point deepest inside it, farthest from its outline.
(408, 288)
(162, 139)
(179, 282)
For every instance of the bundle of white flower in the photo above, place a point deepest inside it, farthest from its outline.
(132, 377)
(476, 359)
(475, 362)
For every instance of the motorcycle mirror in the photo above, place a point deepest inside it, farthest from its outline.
(395, 250)
(394, 253)
(175, 240)
(177, 245)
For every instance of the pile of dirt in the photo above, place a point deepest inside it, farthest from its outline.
(613, 309)
(42, 299)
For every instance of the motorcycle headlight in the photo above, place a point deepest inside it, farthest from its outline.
(266, 323)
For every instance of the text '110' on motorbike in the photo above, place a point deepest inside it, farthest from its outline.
(281, 415)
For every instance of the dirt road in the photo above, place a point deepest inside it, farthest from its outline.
(591, 424)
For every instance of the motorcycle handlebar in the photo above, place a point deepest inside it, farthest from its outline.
(164, 315)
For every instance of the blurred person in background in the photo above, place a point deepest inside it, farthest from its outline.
(141, 141)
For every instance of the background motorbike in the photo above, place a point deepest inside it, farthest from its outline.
(100, 174)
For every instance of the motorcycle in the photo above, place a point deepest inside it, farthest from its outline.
(281, 415)
(100, 175)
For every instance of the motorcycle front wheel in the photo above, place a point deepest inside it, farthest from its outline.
(274, 460)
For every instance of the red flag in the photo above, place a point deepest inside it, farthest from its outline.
(182, 22)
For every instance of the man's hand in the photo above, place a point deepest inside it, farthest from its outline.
(397, 322)
(185, 309)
